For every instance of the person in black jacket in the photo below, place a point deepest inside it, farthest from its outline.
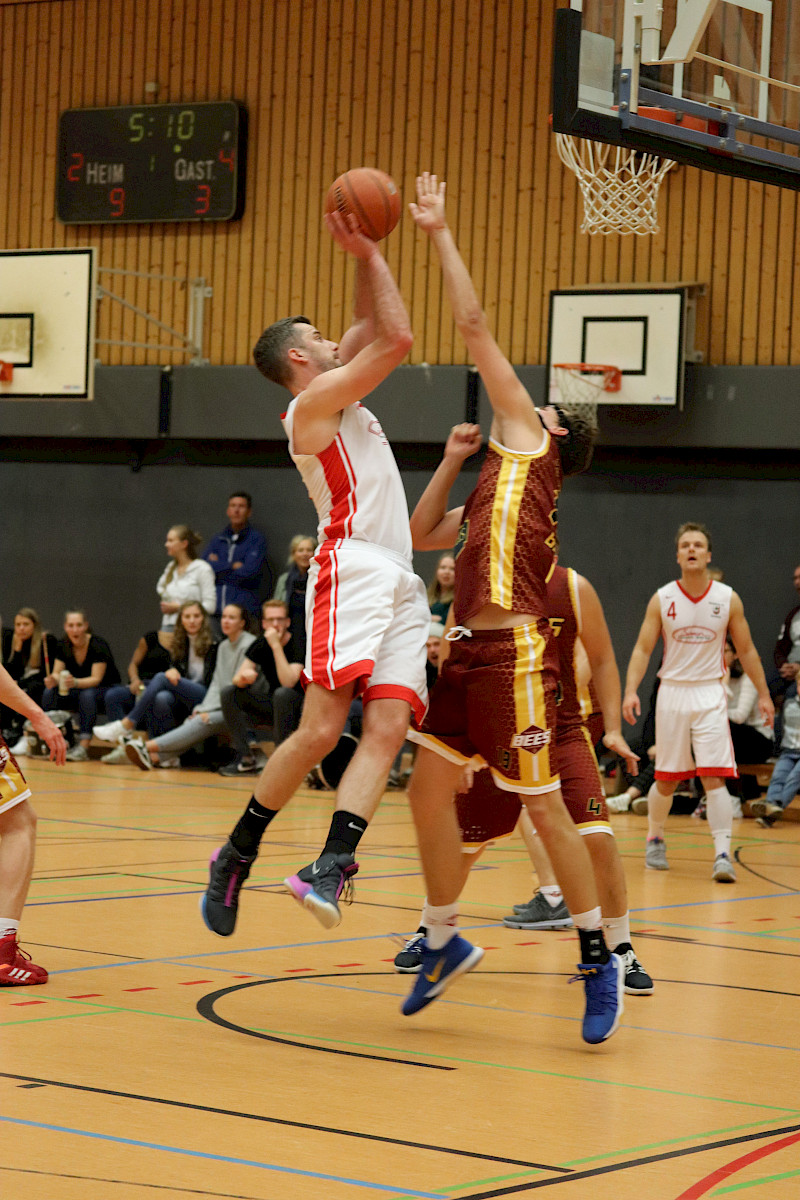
(172, 694)
(27, 654)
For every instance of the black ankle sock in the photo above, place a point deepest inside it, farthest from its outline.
(246, 837)
(593, 947)
(345, 833)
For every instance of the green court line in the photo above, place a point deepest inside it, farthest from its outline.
(738, 1187)
(722, 929)
(405, 1051)
(473, 1183)
(709, 1133)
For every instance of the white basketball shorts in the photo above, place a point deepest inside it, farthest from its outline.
(367, 621)
(692, 732)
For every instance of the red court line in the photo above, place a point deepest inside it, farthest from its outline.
(705, 1185)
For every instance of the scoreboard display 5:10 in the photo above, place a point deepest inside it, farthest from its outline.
(152, 162)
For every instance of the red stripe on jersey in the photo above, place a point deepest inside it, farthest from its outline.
(341, 480)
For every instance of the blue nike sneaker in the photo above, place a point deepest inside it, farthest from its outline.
(438, 970)
(605, 997)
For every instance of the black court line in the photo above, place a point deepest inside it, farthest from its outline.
(205, 1007)
(515, 1189)
(686, 941)
(766, 878)
(158, 1187)
(248, 1116)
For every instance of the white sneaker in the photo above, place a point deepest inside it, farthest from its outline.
(21, 748)
(115, 757)
(618, 804)
(78, 753)
(113, 732)
(170, 764)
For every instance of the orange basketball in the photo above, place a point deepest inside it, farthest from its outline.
(371, 196)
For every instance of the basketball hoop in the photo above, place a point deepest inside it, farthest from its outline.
(581, 384)
(620, 187)
(6, 372)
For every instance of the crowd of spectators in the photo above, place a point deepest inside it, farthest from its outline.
(204, 671)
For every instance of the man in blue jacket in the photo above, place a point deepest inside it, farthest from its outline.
(238, 556)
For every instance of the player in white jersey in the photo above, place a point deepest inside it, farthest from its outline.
(366, 611)
(693, 616)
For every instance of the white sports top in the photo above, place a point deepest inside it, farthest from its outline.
(355, 485)
(694, 630)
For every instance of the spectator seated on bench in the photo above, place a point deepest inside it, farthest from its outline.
(82, 673)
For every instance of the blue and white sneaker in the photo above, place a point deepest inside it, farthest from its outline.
(438, 970)
(605, 997)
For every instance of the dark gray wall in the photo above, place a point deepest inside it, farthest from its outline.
(93, 535)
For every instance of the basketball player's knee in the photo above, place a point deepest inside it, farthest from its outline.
(19, 820)
(547, 812)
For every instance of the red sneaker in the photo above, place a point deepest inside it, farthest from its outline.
(16, 968)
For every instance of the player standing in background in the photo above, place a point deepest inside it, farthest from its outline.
(18, 836)
(497, 693)
(693, 616)
(367, 612)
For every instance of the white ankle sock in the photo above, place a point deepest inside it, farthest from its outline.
(442, 923)
(552, 894)
(8, 926)
(617, 930)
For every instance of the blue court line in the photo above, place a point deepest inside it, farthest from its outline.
(766, 934)
(224, 1158)
(722, 900)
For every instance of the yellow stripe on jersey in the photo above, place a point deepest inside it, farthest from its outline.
(505, 516)
(535, 770)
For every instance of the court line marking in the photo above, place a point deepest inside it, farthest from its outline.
(223, 1158)
(247, 1116)
(738, 1187)
(160, 1187)
(702, 1186)
(610, 1168)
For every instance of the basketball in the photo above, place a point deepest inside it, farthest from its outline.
(371, 196)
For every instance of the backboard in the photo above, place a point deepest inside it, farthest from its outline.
(710, 83)
(47, 314)
(642, 330)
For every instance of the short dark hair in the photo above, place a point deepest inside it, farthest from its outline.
(270, 351)
(687, 527)
(243, 496)
(577, 448)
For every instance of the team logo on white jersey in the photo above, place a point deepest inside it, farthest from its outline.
(694, 634)
(375, 427)
(532, 739)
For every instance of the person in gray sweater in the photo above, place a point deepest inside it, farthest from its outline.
(207, 718)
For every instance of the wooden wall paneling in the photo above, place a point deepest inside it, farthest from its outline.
(785, 265)
(767, 279)
(418, 271)
(690, 224)
(676, 217)
(212, 247)
(273, 69)
(55, 15)
(504, 166)
(349, 152)
(442, 344)
(220, 58)
(230, 233)
(794, 329)
(259, 155)
(27, 122)
(7, 81)
(721, 242)
(188, 233)
(463, 183)
(107, 36)
(752, 258)
(736, 274)
(483, 220)
(519, 194)
(16, 142)
(246, 82)
(704, 220)
(38, 149)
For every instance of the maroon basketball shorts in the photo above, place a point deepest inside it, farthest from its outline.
(495, 703)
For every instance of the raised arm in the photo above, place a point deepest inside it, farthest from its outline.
(433, 527)
(319, 404)
(510, 401)
(362, 330)
(748, 657)
(596, 642)
(648, 636)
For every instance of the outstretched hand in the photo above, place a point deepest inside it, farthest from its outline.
(345, 231)
(616, 743)
(52, 736)
(429, 212)
(464, 441)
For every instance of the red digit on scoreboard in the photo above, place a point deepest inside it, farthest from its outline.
(117, 198)
(228, 159)
(74, 172)
(203, 199)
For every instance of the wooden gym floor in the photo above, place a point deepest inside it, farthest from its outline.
(160, 1061)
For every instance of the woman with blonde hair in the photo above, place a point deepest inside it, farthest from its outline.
(187, 577)
(291, 588)
(27, 653)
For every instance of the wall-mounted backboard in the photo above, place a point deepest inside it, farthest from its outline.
(47, 315)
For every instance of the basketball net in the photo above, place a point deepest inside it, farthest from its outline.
(619, 187)
(580, 385)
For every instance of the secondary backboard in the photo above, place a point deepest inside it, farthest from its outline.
(642, 331)
(47, 314)
(710, 83)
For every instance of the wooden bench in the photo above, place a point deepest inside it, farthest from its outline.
(763, 774)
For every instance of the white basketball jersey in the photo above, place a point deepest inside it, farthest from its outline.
(694, 630)
(355, 485)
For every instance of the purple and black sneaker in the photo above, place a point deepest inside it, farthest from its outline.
(219, 905)
(319, 886)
